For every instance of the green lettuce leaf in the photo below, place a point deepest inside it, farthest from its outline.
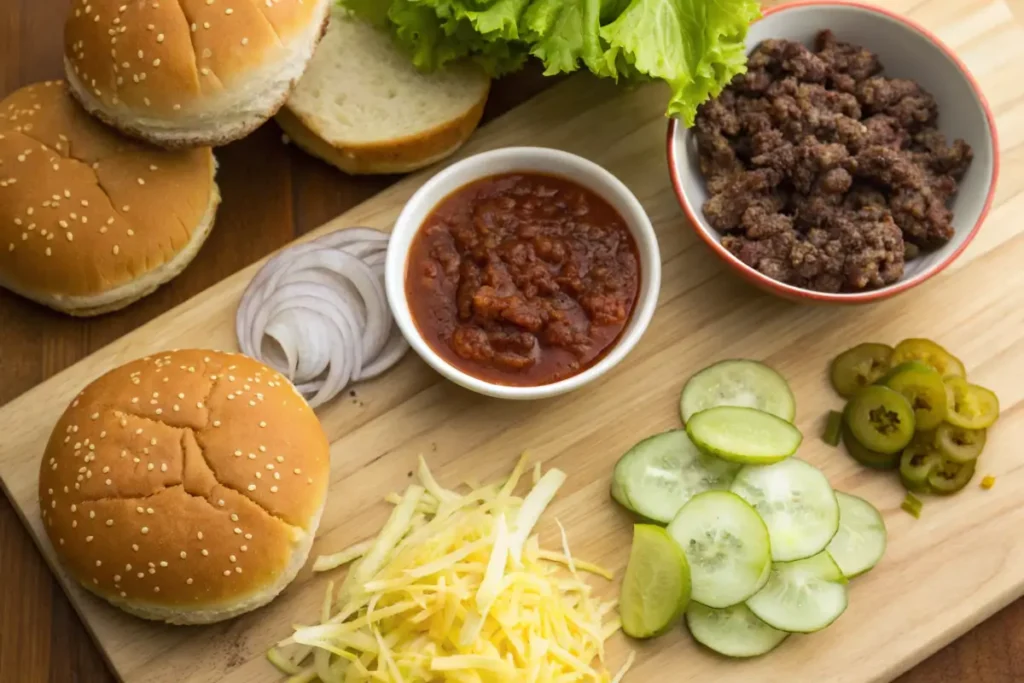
(563, 33)
(696, 46)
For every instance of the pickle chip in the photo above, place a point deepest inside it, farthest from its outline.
(922, 386)
(881, 419)
(970, 406)
(859, 367)
(930, 353)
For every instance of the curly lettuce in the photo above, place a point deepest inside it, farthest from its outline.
(695, 46)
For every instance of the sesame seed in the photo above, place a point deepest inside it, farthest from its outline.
(149, 511)
(88, 539)
(141, 181)
(252, 456)
(49, 252)
(297, 471)
(159, 37)
(273, 489)
(252, 487)
(199, 535)
(229, 11)
(262, 423)
(245, 41)
(116, 250)
(156, 589)
(110, 522)
(244, 548)
(248, 537)
(163, 563)
(188, 581)
(145, 530)
(205, 552)
(238, 531)
(150, 467)
(227, 572)
(280, 458)
(216, 423)
(92, 514)
(220, 502)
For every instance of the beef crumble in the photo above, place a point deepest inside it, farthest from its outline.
(822, 172)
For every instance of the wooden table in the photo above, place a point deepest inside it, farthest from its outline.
(272, 193)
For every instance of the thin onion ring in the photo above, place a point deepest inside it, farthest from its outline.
(317, 312)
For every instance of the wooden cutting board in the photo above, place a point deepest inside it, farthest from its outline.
(942, 574)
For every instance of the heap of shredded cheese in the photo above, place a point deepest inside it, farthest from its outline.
(457, 589)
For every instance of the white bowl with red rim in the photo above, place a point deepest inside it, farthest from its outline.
(542, 160)
(906, 50)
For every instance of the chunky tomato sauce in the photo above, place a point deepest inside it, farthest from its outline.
(522, 279)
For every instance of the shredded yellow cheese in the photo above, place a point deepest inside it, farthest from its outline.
(456, 589)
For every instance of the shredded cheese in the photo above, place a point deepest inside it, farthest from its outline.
(456, 589)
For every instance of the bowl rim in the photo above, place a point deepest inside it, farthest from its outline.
(790, 291)
(637, 221)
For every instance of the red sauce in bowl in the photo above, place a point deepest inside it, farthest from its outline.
(522, 279)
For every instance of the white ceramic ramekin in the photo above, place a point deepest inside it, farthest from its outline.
(536, 160)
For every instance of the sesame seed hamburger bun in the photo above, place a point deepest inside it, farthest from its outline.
(190, 72)
(185, 487)
(91, 221)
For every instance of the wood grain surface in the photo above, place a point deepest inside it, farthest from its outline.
(273, 193)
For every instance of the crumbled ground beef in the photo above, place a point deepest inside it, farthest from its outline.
(822, 172)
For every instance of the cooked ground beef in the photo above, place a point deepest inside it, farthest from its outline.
(822, 172)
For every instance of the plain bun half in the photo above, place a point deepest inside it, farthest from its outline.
(185, 487)
(91, 221)
(187, 73)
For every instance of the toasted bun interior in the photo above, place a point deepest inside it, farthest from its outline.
(90, 220)
(185, 487)
(363, 107)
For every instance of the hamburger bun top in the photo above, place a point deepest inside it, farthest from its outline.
(185, 486)
(85, 211)
(151, 63)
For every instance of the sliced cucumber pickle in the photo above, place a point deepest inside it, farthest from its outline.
(959, 444)
(658, 475)
(860, 542)
(922, 386)
(881, 419)
(742, 383)
(866, 456)
(732, 631)
(949, 477)
(930, 353)
(970, 406)
(802, 596)
(726, 545)
(859, 367)
(656, 586)
(796, 503)
(916, 466)
(743, 435)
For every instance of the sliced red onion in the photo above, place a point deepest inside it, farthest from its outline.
(318, 314)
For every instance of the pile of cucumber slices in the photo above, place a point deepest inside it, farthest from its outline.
(757, 545)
